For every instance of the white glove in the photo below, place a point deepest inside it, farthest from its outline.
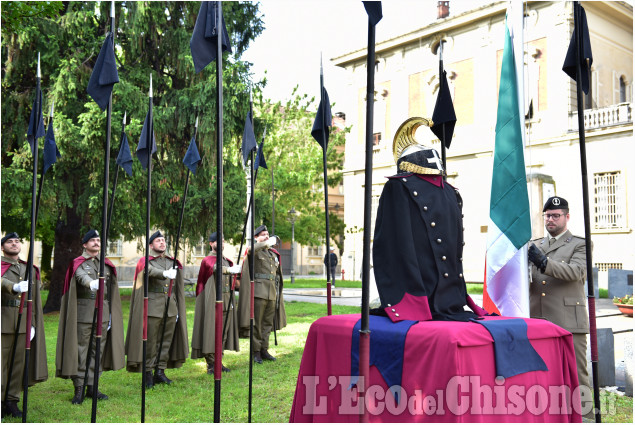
(235, 269)
(94, 285)
(32, 333)
(21, 287)
(271, 241)
(170, 273)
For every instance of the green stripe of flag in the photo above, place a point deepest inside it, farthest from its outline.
(509, 201)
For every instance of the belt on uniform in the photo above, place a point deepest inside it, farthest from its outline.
(264, 276)
(85, 296)
(158, 289)
(10, 303)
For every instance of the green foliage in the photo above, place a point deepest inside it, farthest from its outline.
(626, 299)
(297, 163)
(150, 38)
(17, 14)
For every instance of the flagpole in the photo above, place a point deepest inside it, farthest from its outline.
(146, 275)
(97, 326)
(231, 292)
(116, 179)
(219, 213)
(29, 297)
(326, 197)
(364, 332)
(273, 231)
(441, 82)
(587, 220)
(251, 269)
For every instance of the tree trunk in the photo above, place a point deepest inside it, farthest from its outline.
(68, 245)
(47, 250)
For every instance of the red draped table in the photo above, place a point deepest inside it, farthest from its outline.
(448, 376)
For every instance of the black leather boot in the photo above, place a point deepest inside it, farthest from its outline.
(257, 358)
(10, 408)
(224, 368)
(266, 356)
(149, 380)
(160, 378)
(99, 395)
(78, 397)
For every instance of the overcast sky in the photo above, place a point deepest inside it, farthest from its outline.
(296, 31)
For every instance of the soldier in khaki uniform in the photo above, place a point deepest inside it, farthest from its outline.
(558, 273)
(76, 320)
(266, 269)
(14, 284)
(175, 347)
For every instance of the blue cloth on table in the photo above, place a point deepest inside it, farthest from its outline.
(387, 343)
(513, 352)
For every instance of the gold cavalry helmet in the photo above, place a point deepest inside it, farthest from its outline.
(412, 156)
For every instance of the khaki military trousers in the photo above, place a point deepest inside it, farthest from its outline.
(83, 338)
(579, 344)
(18, 366)
(155, 326)
(264, 311)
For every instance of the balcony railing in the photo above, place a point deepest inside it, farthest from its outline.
(603, 117)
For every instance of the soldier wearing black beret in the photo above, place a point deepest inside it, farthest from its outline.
(14, 286)
(267, 294)
(167, 345)
(558, 273)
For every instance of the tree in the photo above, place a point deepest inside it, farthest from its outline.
(296, 159)
(151, 37)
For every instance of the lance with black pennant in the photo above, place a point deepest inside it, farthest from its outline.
(577, 65)
(205, 48)
(124, 159)
(100, 86)
(145, 149)
(320, 132)
(191, 160)
(373, 9)
(51, 153)
(35, 131)
(443, 117)
(247, 144)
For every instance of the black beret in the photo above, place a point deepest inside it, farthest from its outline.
(8, 236)
(260, 229)
(555, 203)
(213, 237)
(155, 235)
(89, 235)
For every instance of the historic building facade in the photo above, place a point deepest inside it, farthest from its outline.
(406, 85)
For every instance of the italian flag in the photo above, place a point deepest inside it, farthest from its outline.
(506, 289)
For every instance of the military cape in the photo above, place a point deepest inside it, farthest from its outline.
(66, 359)
(245, 296)
(38, 368)
(179, 346)
(204, 331)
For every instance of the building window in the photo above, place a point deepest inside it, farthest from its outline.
(376, 139)
(610, 200)
(315, 251)
(604, 267)
(115, 248)
(200, 249)
(622, 89)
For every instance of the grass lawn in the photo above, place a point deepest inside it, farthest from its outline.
(191, 397)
